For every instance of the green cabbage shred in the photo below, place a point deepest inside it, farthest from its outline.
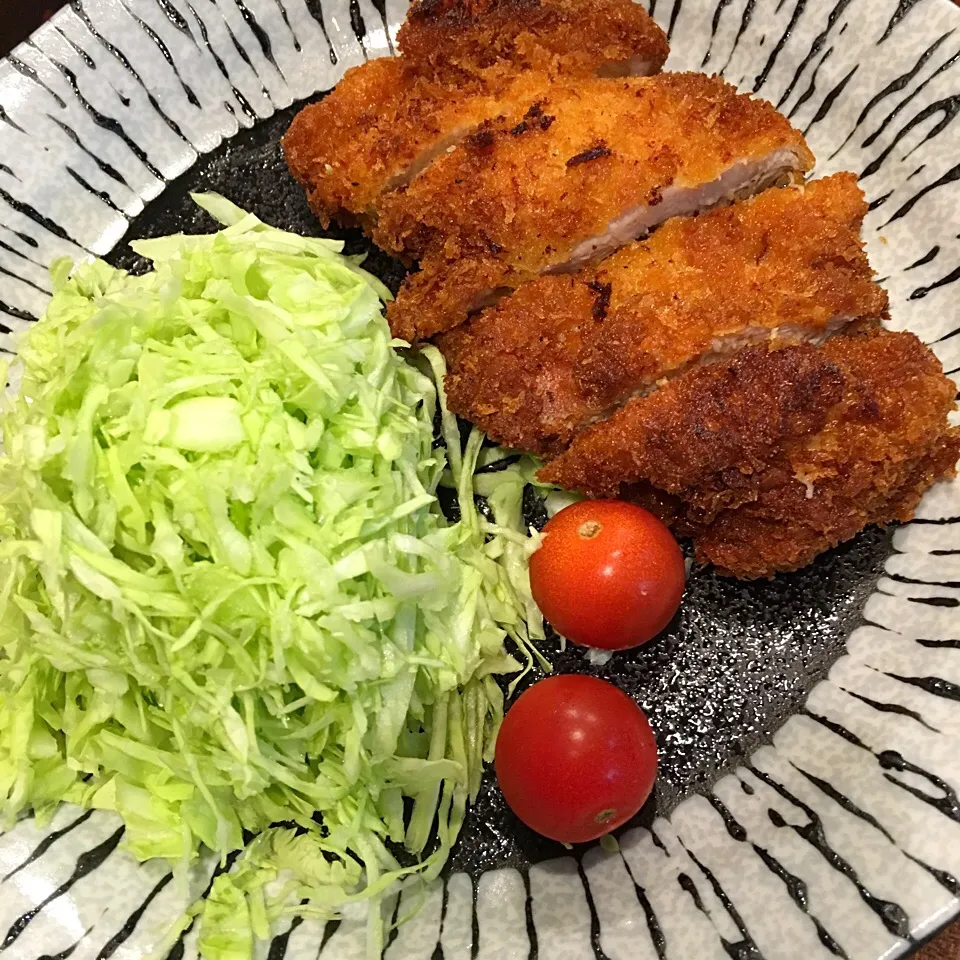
(228, 596)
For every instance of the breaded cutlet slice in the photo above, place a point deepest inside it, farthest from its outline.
(448, 38)
(594, 165)
(563, 350)
(780, 453)
(464, 62)
(383, 124)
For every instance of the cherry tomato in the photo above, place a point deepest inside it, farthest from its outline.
(575, 758)
(608, 574)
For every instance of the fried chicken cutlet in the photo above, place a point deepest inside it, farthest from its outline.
(592, 166)
(464, 62)
(564, 350)
(779, 453)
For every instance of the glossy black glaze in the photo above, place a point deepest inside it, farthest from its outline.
(735, 663)
(47, 842)
(87, 862)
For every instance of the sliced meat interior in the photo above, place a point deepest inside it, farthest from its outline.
(781, 452)
(593, 165)
(563, 350)
(463, 63)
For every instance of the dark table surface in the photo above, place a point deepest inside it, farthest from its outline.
(19, 18)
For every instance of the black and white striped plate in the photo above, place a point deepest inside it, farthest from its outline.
(809, 727)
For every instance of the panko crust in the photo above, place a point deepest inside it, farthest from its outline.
(510, 370)
(700, 434)
(528, 193)
(439, 289)
(531, 193)
(345, 148)
(563, 350)
(454, 38)
(754, 542)
(464, 62)
(380, 121)
(781, 452)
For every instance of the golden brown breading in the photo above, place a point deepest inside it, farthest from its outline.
(464, 62)
(443, 293)
(511, 369)
(382, 123)
(530, 197)
(779, 454)
(562, 350)
(703, 429)
(785, 531)
(456, 37)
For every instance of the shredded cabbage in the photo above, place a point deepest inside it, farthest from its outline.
(228, 596)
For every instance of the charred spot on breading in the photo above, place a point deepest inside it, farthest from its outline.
(533, 119)
(595, 152)
(602, 303)
(481, 140)
(458, 13)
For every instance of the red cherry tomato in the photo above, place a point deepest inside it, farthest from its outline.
(608, 574)
(575, 758)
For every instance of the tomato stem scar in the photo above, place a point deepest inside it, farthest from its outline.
(589, 529)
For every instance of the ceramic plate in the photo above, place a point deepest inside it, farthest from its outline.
(809, 727)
